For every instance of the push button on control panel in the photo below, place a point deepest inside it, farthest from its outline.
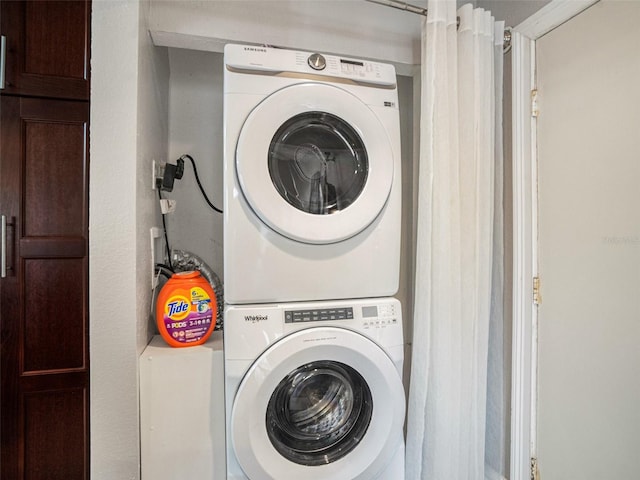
(320, 315)
(379, 316)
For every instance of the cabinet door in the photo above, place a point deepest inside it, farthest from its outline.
(43, 297)
(47, 47)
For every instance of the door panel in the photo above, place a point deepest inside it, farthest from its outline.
(43, 299)
(47, 48)
(54, 206)
(54, 333)
(53, 441)
(47, 27)
(589, 245)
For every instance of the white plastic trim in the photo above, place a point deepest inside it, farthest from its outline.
(522, 366)
(551, 16)
(525, 247)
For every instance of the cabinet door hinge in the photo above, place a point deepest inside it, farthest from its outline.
(535, 473)
(534, 103)
(537, 297)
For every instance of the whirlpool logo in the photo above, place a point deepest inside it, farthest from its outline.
(256, 318)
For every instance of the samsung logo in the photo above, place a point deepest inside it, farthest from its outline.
(255, 49)
(256, 318)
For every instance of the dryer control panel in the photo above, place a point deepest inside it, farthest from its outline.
(266, 59)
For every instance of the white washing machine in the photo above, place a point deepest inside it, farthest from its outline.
(314, 391)
(311, 177)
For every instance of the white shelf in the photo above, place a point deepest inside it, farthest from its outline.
(182, 411)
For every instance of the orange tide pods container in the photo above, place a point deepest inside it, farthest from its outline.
(186, 310)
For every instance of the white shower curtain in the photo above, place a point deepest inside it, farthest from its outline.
(456, 425)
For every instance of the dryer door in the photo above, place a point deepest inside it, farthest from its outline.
(322, 403)
(315, 163)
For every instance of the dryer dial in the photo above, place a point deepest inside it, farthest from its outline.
(317, 61)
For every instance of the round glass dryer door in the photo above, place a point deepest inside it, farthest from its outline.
(323, 403)
(318, 163)
(314, 163)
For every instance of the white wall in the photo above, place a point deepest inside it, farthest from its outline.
(152, 136)
(347, 27)
(128, 104)
(195, 128)
(512, 12)
(407, 91)
(112, 241)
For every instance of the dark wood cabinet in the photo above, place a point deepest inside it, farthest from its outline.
(44, 171)
(47, 48)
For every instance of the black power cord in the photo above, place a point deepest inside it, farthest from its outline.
(195, 172)
(173, 172)
(166, 237)
(165, 270)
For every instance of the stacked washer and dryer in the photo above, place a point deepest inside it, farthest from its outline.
(313, 338)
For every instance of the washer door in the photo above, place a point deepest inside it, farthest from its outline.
(314, 163)
(322, 403)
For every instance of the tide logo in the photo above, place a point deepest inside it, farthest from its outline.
(177, 307)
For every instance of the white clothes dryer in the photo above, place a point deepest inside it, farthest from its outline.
(311, 177)
(314, 391)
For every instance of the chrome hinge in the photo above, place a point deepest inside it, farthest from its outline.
(535, 474)
(534, 103)
(537, 297)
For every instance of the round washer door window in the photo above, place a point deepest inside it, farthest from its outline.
(321, 403)
(319, 413)
(315, 163)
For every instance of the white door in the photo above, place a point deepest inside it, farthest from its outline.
(588, 392)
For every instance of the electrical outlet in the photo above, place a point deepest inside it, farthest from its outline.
(157, 170)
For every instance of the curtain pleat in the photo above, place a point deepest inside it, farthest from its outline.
(498, 392)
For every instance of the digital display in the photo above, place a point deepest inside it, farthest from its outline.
(351, 62)
(369, 312)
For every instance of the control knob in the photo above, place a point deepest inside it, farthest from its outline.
(317, 61)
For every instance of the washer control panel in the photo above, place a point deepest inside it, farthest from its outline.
(252, 329)
(318, 315)
(367, 316)
(379, 316)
